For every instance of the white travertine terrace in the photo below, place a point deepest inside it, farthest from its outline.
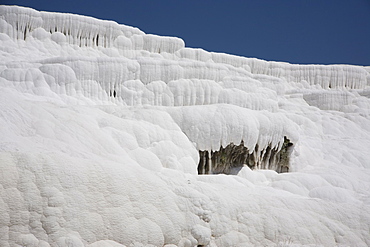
(101, 125)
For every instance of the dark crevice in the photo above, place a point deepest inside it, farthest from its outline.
(232, 158)
(113, 93)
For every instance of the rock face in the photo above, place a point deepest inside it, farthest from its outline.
(230, 159)
(104, 131)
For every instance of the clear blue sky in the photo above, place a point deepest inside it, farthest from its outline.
(295, 31)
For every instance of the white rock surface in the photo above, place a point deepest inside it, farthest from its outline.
(101, 126)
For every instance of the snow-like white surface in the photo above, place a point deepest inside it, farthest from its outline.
(101, 126)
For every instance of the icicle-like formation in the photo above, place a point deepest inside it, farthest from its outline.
(121, 80)
(214, 126)
(166, 59)
(327, 76)
(230, 159)
(19, 23)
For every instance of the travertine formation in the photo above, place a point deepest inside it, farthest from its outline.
(104, 129)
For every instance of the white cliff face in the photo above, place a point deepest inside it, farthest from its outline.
(101, 125)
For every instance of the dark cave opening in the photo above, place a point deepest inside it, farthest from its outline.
(230, 159)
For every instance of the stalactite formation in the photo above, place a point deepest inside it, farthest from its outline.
(230, 159)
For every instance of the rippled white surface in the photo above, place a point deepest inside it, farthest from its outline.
(101, 126)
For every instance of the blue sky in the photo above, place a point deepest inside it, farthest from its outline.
(295, 31)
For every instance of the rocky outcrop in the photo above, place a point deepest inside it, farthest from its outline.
(230, 159)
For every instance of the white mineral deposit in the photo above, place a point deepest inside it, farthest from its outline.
(112, 137)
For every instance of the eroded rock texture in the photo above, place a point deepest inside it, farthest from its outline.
(230, 159)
